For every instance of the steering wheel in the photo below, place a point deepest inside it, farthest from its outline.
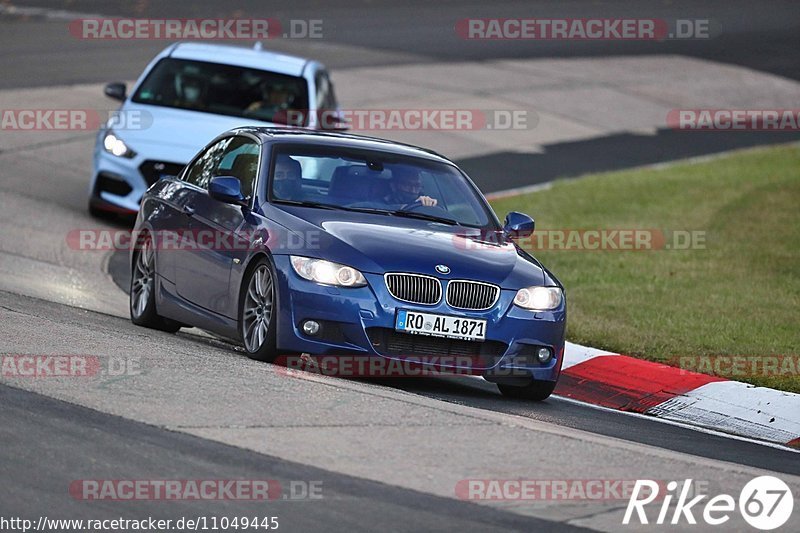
(417, 204)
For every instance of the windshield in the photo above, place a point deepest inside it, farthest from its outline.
(377, 182)
(225, 90)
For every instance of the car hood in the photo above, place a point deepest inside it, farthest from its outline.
(188, 131)
(389, 244)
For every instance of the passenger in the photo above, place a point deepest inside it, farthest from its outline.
(286, 183)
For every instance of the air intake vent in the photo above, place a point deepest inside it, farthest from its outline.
(414, 288)
(472, 295)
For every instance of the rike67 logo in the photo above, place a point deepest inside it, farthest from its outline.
(765, 503)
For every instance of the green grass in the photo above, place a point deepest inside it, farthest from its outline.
(738, 296)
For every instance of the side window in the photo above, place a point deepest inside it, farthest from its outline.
(232, 156)
(241, 161)
(204, 167)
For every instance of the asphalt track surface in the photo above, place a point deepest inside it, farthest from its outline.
(41, 52)
(46, 443)
(759, 35)
(114, 448)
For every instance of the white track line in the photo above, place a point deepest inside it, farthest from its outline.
(684, 425)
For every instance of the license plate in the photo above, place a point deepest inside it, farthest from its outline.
(453, 327)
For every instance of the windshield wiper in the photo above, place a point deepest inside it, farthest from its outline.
(425, 216)
(306, 204)
(374, 210)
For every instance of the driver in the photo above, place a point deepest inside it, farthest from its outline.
(274, 98)
(286, 179)
(406, 186)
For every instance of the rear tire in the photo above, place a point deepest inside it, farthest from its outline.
(257, 312)
(142, 296)
(535, 390)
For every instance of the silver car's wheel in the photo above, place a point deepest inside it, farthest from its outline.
(142, 280)
(257, 309)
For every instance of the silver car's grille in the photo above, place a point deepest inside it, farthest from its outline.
(472, 294)
(414, 288)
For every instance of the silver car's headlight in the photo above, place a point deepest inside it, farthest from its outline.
(116, 146)
(326, 272)
(539, 298)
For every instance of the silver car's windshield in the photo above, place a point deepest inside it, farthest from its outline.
(377, 182)
(225, 90)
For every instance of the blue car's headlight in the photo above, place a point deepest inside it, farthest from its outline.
(116, 146)
(539, 298)
(328, 273)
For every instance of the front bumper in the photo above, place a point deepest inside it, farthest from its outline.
(360, 322)
(118, 183)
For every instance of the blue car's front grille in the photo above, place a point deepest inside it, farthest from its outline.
(427, 290)
(414, 288)
(474, 295)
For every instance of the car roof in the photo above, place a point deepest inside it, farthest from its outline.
(240, 56)
(343, 140)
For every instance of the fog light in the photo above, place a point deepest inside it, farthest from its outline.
(310, 327)
(544, 354)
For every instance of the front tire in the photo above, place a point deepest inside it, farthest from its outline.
(143, 291)
(257, 313)
(535, 390)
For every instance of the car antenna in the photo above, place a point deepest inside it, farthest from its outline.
(258, 46)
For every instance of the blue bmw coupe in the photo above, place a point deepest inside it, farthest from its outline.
(323, 244)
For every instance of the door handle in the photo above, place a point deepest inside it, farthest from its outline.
(188, 210)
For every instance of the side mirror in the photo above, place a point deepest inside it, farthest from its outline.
(115, 90)
(227, 189)
(518, 225)
(332, 120)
